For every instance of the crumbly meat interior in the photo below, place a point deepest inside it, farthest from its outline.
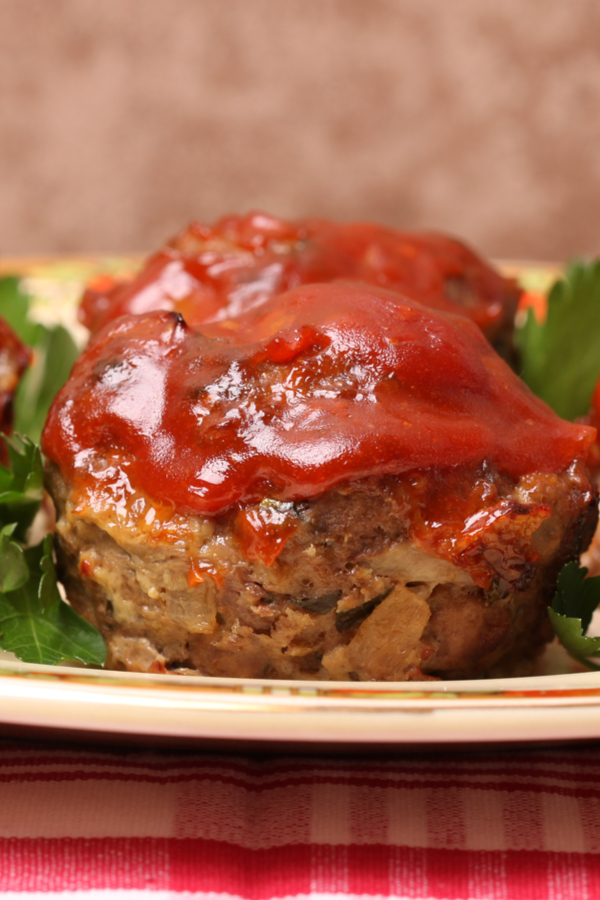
(336, 587)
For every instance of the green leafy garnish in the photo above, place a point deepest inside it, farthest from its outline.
(21, 485)
(55, 352)
(571, 612)
(560, 357)
(35, 622)
(13, 566)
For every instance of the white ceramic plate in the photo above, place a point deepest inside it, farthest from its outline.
(71, 702)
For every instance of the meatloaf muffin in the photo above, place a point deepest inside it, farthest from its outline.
(14, 359)
(214, 274)
(591, 557)
(351, 486)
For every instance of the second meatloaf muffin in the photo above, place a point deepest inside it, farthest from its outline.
(214, 274)
(352, 487)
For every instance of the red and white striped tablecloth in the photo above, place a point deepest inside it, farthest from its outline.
(131, 823)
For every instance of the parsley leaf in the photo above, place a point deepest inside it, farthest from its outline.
(21, 486)
(571, 612)
(560, 357)
(13, 567)
(55, 352)
(35, 623)
(14, 309)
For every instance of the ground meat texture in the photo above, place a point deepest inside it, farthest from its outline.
(352, 594)
(213, 274)
(352, 486)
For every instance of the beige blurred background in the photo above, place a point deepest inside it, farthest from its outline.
(122, 119)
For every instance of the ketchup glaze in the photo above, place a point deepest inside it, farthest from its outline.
(214, 274)
(326, 384)
(14, 359)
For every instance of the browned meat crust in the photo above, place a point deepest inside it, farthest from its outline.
(352, 595)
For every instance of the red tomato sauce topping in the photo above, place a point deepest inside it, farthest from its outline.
(14, 359)
(214, 274)
(329, 383)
